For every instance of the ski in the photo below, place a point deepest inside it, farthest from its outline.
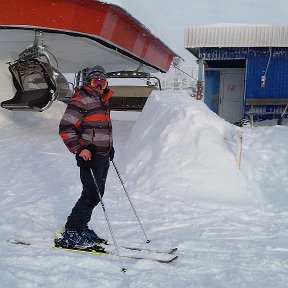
(99, 249)
(166, 251)
(105, 242)
(139, 253)
(18, 242)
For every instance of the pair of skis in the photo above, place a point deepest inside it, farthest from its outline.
(137, 253)
(161, 256)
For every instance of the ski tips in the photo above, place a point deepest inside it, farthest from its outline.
(148, 241)
(123, 270)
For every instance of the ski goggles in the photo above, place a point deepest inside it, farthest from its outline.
(98, 83)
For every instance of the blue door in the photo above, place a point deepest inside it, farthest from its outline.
(212, 88)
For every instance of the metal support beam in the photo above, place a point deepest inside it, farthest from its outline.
(199, 94)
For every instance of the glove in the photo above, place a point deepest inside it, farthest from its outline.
(91, 148)
(111, 154)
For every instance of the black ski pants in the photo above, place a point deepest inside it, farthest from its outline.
(82, 211)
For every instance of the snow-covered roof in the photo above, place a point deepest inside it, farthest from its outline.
(239, 35)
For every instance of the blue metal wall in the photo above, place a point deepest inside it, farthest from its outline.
(276, 85)
(275, 60)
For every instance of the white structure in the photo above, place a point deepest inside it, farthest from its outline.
(236, 35)
(180, 80)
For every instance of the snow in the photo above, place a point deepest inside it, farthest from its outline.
(179, 146)
(179, 163)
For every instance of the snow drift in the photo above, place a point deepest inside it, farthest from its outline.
(181, 150)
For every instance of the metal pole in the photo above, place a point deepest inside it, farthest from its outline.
(280, 119)
(127, 194)
(199, 95)
(107, 220)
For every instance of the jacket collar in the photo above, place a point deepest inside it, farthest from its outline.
(90, 91)
(103, 98)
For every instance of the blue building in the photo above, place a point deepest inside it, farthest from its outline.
(243, 69)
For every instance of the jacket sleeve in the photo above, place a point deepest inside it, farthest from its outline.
(69, 126)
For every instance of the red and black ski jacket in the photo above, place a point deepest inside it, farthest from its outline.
(87, 121)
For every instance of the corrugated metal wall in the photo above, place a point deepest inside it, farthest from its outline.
(260, 61)
(275, 68)
(237, 35)
(273, 61)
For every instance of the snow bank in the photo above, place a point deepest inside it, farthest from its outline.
(265, 161)
(179, 149)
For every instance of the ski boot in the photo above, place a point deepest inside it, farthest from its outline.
(91, 235)
(76, 241)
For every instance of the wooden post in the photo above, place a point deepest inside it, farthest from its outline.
(239, 149)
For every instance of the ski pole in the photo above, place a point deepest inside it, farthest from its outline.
(128, 196)
(107, 220)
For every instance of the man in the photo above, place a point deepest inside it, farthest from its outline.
(87, 132)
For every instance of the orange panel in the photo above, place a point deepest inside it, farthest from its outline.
(106, 21)
(40, 12)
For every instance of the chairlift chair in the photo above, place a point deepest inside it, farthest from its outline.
(126, 97)
(37, 83)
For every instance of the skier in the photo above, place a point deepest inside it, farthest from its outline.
(87, 132)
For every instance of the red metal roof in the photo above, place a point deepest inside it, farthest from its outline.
(105, 22)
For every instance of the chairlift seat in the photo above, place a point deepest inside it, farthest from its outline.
(37, 85)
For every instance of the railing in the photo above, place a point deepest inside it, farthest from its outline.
(261, 107)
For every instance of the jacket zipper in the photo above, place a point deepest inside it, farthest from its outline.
(93, 135)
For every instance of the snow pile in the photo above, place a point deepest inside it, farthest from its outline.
(265, 158)
(180, 150)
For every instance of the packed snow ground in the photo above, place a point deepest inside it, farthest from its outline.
(179, 164)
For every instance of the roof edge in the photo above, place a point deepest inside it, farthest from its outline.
(238, 35)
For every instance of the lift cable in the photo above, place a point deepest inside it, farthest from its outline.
(184, 72)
